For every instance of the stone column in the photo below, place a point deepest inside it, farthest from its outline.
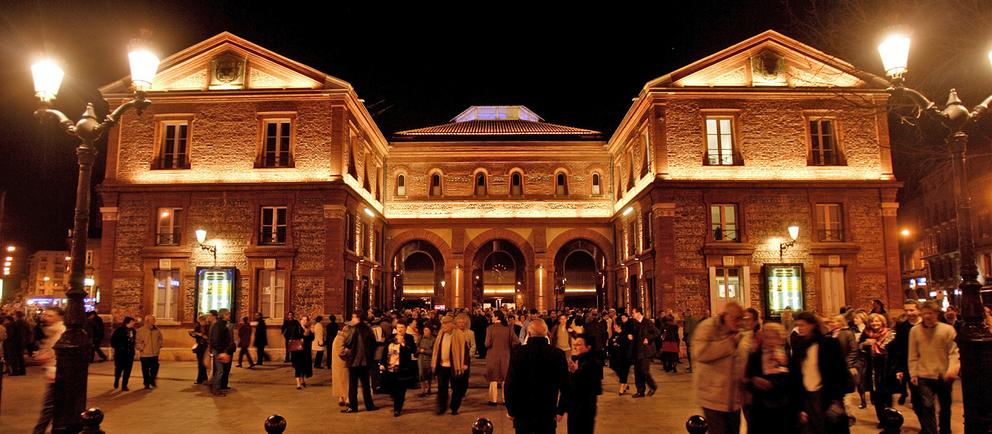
(893, 278)
(334, 230)
(664, 254)
(107, 243)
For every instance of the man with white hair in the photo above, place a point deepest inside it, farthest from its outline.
(148, 343)
(719, 351)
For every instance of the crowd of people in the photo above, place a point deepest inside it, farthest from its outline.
(790, 374)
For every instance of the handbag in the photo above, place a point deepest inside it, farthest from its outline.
(346, 354)
(295, 345)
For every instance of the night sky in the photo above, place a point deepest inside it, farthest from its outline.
(418, 65)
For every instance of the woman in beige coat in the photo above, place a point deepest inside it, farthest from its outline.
(499, 340)
(339, 369)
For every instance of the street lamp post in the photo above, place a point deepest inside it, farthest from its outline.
(74, 347)
(782, 247)
(974, 339)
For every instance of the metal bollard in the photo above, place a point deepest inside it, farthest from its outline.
(482, 426)
(892, 421)
(696, 425)
(275, 424)
(92, 418)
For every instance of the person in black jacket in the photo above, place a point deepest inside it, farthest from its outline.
(398, 366)
(19, 338)
(261, 339)
(330, 332)
(199, 334)
(621, 358)
(221, 344)
(817, 386)
(536, 383)
(289, 323)
(122, 341)
(94, 328)
(766, 377)
(585, 385)
(361, 346)
(644, 351)
(899, 350)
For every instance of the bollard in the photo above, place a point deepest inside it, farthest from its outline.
(91, 419)
(482, 426)
(891, 421)
(275, 424)
(696, 425)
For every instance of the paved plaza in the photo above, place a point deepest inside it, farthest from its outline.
(178, 405)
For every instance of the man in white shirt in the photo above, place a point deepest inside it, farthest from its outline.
(933, 365)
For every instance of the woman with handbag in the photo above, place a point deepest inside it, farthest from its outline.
(398, 366)
(199, 333)
(300, 343)
(879, 371)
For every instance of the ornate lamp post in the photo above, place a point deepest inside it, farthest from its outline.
(974, 339)
(201, 239)
(73, 349)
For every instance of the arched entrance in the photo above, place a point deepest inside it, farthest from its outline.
(498, 274)
(418, 275)
(580, 275)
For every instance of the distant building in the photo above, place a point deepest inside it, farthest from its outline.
(312, 210)
(48, 273)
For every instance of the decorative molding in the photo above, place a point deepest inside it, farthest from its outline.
(666, 209)
(334, 211)
(889, 209)
(497, 209)
(109, 213)
(456, 178)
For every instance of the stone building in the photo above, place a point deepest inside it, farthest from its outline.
(307, 207)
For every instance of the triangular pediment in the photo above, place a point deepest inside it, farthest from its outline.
(228, 62)
(769, 59)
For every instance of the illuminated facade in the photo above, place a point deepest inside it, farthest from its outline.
(312, 210)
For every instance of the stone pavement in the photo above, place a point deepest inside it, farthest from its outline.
(178, 405)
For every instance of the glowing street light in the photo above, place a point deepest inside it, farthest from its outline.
(974, 338)
(793, 234)
(73, 348)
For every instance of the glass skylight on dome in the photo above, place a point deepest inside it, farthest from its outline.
(497, 113)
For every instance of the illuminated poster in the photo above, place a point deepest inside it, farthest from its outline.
(783, 288)
(215, 289)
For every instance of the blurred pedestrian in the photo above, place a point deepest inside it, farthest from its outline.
(244, 342)
(644, 351)
(621, 358)
(261, 339)
(199, 334)
(339, 369)
(289, 322)
(398, 366)
(499, 341)
(52, 329)
(537, 383)
(819, 378)
(425, 350)
(300, 347)
(874, 345)
(94, 329)
(767, 378)
(720, 353)
(585, 384)
(221, 343)
(318, 341)
(934, 364)
(360, 346)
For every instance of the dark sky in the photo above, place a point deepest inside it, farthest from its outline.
(414, 64)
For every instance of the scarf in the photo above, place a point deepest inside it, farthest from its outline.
(880, 337)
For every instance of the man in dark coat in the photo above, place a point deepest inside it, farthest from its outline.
(536, 383)
(817, 386)
(261, 339)
(329, 335)
(644, 352)
(585, 385)
(290, 323)
(221, 343)
(899, 349)
(94, 328)
(598, 335)
(14, 345)
(361, 344)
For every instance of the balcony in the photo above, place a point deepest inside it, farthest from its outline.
(168, 238)
(830, 235)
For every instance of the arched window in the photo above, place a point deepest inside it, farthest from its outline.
(435, 185)
(561, 184)
(480, 184)
(516, 184)
(401, 185)
(596, 186)
(618, 176)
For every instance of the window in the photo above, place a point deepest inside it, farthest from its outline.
(272, 293)
(273, 225)
(349, 230)
(168, 232)
(829, 222)
(435, 185)
(276, 148)
(350, 155)
(597, 188)
(646, 153)
(729, 284)
(89, 258)
(561, 184)
(366, 239)
(630, 171)
(401, 185)
(719, 141)
(647, 228)
(174, 152)
(166, 294)
(723, 222)
(631, 238)
(823, 143)
(516, 184)
(480, 184)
